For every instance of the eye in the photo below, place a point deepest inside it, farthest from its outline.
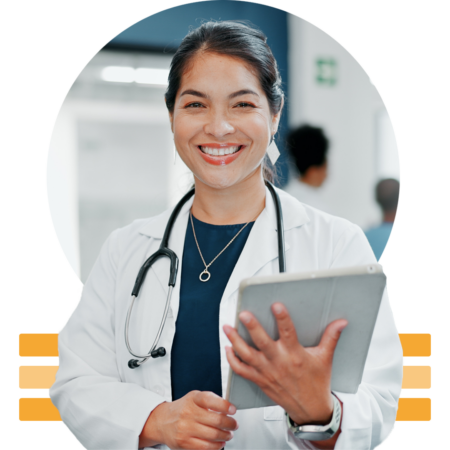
(194, 105)
(244, 105)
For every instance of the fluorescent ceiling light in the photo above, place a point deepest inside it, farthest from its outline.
(152, 76)
(118, 74)
(122, 74)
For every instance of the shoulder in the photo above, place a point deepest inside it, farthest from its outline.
(137, 232)
(315, 220)
(333, 238)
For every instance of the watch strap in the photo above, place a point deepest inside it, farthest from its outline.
(318, 432)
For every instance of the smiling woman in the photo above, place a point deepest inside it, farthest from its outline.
(220, 115)
(224, 101)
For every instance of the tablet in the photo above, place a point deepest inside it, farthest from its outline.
(314, 300)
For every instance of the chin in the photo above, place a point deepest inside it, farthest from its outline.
(219, 181)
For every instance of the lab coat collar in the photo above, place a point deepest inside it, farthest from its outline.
(261, 246)
(294, 215)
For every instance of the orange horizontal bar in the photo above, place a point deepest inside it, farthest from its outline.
(38, 345)
(416, 377)
(37, 377)
(416, 344)
(414, 409)
(37, 409)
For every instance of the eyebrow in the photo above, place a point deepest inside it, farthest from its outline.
(233, 95)
(242, 92)
(193, 92)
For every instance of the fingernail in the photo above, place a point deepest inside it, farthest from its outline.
(245, 317)
(232, 409)
(342, 326)
(278, 309)
(237, 426)
(227, 329)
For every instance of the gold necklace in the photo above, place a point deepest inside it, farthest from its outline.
(206, 272)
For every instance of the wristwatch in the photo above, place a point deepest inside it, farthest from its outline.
(317, 432)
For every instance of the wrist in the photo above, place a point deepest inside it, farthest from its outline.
(151, 432)
(323, 432)
(319, 417)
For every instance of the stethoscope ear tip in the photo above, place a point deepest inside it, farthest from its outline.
(161, 351)
(133, 363)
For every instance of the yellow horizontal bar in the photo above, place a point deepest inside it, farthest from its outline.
(416, 377)
(37, 409)
(38, 345)
(416, 344)
(37, 377)
(414, 409)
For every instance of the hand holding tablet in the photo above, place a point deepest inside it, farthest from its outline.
(288, 338)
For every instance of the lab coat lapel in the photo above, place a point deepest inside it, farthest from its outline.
(262, 244)
(176, 243)
(261, 247)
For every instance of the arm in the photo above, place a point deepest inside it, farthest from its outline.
(198, 420)
(369, 415)
(296, 378)
(329, 443)
(104, 412)
(100, 409)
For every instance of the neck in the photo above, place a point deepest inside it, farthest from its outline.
(240, 203)
(389, 216)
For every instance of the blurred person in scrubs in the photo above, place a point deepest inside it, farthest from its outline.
(308, 147)
(387, 192)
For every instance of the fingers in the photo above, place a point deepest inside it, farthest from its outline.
(240, 368)
(219, 425)
(200, 444)
(331, 336)
(212, 434)
(259, 337)
(209, 400)
(286, 328)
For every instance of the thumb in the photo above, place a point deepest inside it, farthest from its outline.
(331, 336)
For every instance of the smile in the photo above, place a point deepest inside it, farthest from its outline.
(220, 151)
(220, 154)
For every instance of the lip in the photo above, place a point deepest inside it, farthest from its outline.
(220, 160)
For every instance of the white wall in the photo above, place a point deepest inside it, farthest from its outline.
(348, 113)
(111, 158)
(62, 186)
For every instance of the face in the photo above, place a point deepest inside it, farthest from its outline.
(221, 120)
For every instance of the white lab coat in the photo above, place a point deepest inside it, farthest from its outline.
(106, 404)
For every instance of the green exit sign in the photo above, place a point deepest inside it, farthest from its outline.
(326, 71)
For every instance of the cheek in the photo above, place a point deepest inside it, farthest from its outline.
(183, 130)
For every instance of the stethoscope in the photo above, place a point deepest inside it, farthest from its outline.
(164, 250)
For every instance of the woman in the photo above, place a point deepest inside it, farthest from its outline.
(224, 100)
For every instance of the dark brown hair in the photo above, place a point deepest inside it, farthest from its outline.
(239, 40)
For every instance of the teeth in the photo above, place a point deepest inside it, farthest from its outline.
(221, 151)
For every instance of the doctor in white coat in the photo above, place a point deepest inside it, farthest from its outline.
(224, 101)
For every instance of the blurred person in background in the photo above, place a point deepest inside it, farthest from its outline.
(387, 192)
(308, 147)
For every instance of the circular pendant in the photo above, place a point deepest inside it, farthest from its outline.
(208, 275)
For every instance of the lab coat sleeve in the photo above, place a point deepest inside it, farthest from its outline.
(369, 415)
(102, 411)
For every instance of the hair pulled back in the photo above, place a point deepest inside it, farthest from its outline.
(234, 39)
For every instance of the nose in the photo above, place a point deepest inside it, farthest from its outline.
(218, 124)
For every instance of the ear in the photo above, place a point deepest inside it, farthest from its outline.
(171, 121)
(276, 119)
(170, 117)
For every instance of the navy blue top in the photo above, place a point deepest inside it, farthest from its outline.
(195, 357)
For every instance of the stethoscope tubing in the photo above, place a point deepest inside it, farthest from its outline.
(164, 251)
